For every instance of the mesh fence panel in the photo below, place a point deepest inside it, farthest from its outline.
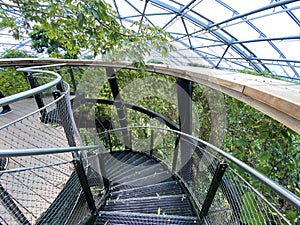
(31, 190)
(244, 204)
(33, 131)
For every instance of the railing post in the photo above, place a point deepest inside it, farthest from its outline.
(184, 95)
(121, 109)
(151, 142)
(64, 114)
(216, 181)
(33, 83)
(109, 141)
(73, 81)
(175, 155)
(85, 185)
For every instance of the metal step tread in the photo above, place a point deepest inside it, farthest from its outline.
(118, 162)
(139, 172)
(159, 189)
(143, 181)
(108, 157)
(117, 217)
(143, 191)
(140, 164)
(168, 205)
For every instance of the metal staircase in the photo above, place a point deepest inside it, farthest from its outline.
(143, 191)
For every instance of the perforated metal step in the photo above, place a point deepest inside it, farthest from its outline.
(110, 218)
(160, 189)
(168, 205)
(143, 191)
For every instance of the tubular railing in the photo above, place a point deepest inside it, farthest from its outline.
(44, 180)
(56, 79)
(219, 184)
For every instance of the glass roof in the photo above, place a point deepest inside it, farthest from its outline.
(260, 35)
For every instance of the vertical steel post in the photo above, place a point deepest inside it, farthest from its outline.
(175, 155)
(151, 142)
(65, 118)
(184, 95)
(73, 81)
(33, 83)
(85, 185)
(216, 181)
(118, 102)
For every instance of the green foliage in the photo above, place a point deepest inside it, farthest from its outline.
(41, 43)
(77, 25)
(155, 61)
(11, 81)
(263, 143)
(14, 53)
(149, 90)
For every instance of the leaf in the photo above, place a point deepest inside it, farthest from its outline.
(291, 215)
(241, 142)
(158, 211)
(80, 19)
(263, 136)
(265, 156)
(96, 15)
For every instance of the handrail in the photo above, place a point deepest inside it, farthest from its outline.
(34, 91)
(141, 109)
(281, 191)
(43, 151)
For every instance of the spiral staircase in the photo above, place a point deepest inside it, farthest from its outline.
(52, 172)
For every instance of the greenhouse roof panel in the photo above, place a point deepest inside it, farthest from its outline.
(261, 35)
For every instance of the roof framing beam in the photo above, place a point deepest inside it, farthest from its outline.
(239, 16)
(297, 21)
(214, 32)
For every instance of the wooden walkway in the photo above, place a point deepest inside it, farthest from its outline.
(33, 190)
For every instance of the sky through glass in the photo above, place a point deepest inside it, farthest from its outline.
(260, 35)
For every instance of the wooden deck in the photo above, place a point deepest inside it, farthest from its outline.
(19, 109)
(32, 189)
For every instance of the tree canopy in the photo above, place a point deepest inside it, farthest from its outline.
(83, 25)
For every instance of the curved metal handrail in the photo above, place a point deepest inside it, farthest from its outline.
(34, 91)
(281, 191)
(141, 109)
(43, 151)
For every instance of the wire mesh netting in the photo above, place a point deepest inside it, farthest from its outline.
(29, 191)
(236, 201)
(40, 128)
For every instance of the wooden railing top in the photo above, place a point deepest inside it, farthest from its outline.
(276, 98)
